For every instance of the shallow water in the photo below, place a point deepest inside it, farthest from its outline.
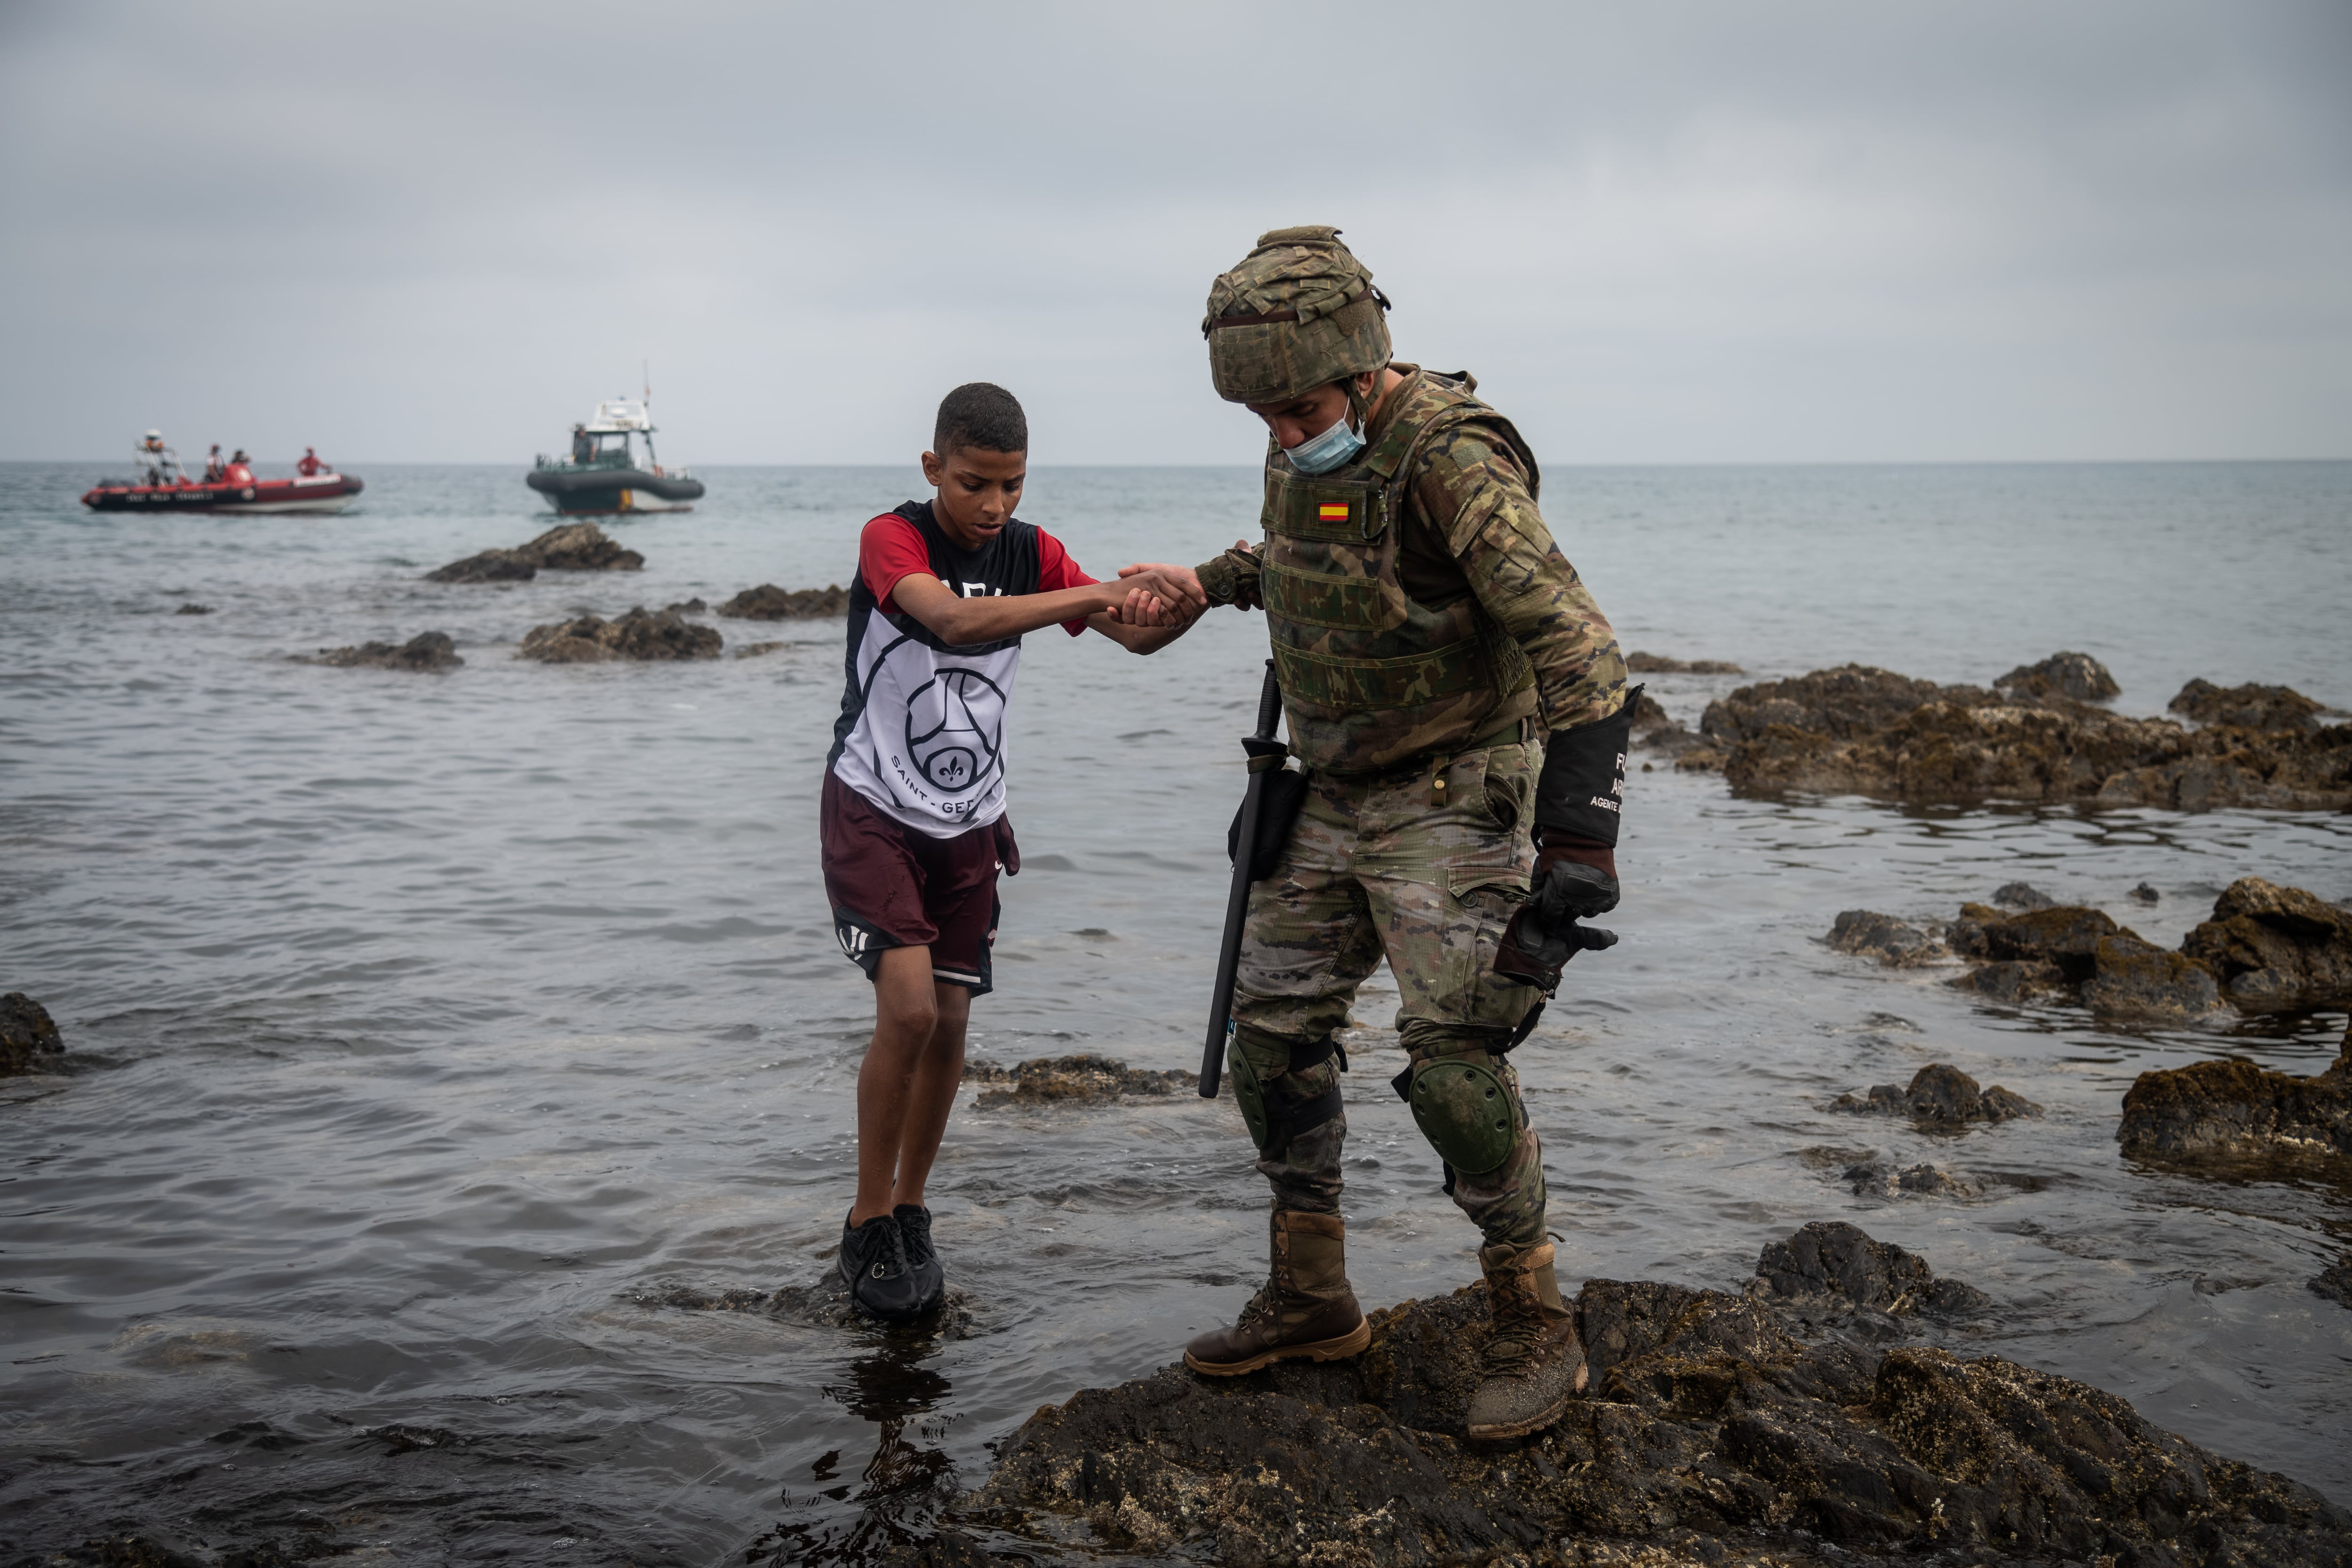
(432, 1038)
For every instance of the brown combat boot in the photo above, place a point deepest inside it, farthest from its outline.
(1305, 1309)
(1533, 1364)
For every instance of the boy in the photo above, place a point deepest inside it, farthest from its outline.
(912, 814)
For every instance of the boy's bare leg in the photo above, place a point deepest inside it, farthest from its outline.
(931, 1095)
(906, 1015)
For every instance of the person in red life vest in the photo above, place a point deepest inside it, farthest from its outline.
(213, 466)
(240, 468)
(309, 466)
(911, 815)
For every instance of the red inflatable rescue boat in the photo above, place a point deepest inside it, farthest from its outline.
(161, 485)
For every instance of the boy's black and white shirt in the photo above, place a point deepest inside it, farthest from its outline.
(922, 727)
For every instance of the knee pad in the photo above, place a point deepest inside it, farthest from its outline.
(1273, 1122)
(1468, 1112)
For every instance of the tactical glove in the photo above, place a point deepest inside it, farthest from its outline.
(1578, 796)
(1233, 578)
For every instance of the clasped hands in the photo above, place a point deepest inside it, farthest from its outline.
(1159, 595)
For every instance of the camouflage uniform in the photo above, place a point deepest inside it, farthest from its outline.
(1418, 669)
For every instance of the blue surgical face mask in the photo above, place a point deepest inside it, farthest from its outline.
(1321, 454)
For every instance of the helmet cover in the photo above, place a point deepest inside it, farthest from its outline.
(1296, 313)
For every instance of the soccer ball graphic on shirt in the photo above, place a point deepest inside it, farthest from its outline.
(955, 729)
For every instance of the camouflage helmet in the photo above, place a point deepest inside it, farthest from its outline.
(1297, 313)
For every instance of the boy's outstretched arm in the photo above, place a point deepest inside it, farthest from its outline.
(1161, 604)
(963, 622)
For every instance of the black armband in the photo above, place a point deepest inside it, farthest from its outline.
(1583, 781)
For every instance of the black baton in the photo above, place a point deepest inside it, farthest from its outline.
(1229, 953)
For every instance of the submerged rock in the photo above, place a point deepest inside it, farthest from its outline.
(2076, 675)
(769, 603)
(426, 651)
(640, 635)
(1057, 1080)
(2273, 947)
(1865, 731)
(27, 1033)
(569, 547)
(193, 608)
(2249, 707)
(1884, 937)
(1658, 665)
(1717, 1428)
(1940, 1096)
(2237, 1111)
(2334, 1283)
(2022, 895)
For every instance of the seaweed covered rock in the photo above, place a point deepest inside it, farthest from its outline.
(641, 634)
(1884, 937)
(1742, 1427)
(569, 546)
(1841, 703)
(1071, 1080)
(2067, 950)
(2236, 1111)
(27, 1033)
(769, 603)
(427, 651)
(2076, 675)
(1940, 1096)
(1658, 665)
(2273, 947)
(2249, 707)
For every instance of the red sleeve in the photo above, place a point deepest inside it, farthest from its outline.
(1056, 570)
(891, 547)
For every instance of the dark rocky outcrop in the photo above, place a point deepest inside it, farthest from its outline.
(2076, 675)
(1940, 1096)
(2234, 1110)
(2334, 1283)
(1658, 665)
(1876, 1178)
(426, 651)
(2273, 947)
(569, 547)
(1884, 937)
(27, 1033)
(193, 608)
(640, 635)
(2249, 707)
(769, 603)
(1654, 730)
(1865, 731)
(1068, 1080)
(2065, 950)
(1787, 1424)
(2022, 895)
(694, 606)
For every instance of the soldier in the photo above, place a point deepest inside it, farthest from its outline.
(1459, 703)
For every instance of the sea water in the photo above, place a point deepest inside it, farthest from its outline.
(437, 1043)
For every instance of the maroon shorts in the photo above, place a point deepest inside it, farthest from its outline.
(893, 886)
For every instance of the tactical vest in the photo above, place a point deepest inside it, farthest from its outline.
(1371, 678)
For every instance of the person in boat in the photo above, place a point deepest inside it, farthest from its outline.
(584, 445)
(214, 470)
(309, 466)
(240, 468)
(151, 457)
(912, 830)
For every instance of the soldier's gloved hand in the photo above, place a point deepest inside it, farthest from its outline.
(1233, 578)
(1575, 879)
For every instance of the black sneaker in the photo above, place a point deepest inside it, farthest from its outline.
(922, 1257)
(874, 1266)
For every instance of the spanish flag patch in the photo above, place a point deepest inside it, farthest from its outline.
(1332, 511)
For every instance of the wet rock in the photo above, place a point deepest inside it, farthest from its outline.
(694, 606)
(1658, 665)
(753, 650)
(2131, 977)
(2249, 707)
(2063, 935)
(1882, 936)
(2273, 947)
(193, 608)
(2147, 894)
(2015, 982)
(769, 603)
(27, 1033)
(1717, 1428)
(2022, 895)
(1064, 1079)
(572, 546)
(1876, 1178)
(426, 651)
(1940, 1096)
(2334, 1283)
(2235, 1110)
(2076, 675)
(489, 566)
(1864, 731)
(640, 635)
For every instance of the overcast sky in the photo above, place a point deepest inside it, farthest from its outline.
(1703, 233)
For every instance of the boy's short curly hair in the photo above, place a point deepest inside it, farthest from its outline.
(980, 414)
